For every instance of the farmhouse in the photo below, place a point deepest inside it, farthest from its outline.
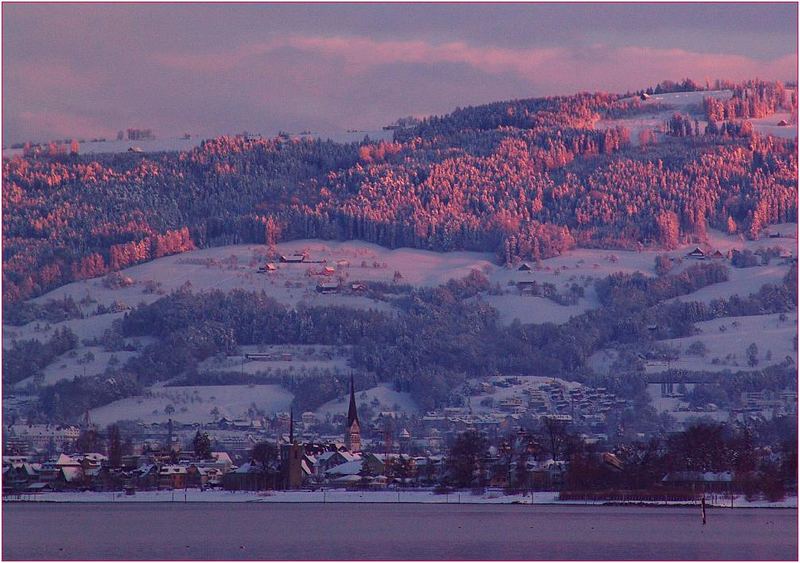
(697, 254)
(328, 287)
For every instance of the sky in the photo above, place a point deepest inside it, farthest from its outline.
(87, 70)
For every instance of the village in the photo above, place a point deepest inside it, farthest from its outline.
(397, 446)
(164, 456)
(287, 452)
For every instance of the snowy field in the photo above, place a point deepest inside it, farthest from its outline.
(195, 404)
(741, 281)
(171, 144)
(342, 496)
(691, 103)
(769, 125)
(292, 359)
(92, 360)
(726, 341)
(680, 102)
(381, 398)
(236, 266)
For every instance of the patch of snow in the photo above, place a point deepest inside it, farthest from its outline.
(773, 337)
(388, 400)
(195, 403)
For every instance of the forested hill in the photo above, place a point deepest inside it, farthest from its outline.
(525, 179)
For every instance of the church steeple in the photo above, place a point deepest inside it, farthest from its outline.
(352, 413)
(352, 433)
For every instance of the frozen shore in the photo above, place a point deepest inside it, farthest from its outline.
(342, 496)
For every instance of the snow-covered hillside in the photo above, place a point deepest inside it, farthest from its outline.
(190, 404)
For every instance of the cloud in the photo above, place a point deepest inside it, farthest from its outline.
(596, 66)
(319, 81)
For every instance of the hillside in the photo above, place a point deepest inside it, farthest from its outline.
(521, 180)
(546, 238)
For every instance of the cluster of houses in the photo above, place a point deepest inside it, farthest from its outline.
(715, 254)
(152, 464)
(326, 272)
(320, 465)
(781, 403)
(94, 471)
(504, 401)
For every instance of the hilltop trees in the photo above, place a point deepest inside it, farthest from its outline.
(526, 179)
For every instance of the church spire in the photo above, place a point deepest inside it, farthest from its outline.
(352, 434)
(352, 413)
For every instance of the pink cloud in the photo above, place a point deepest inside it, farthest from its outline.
(594, 67)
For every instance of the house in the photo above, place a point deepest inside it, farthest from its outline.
(644, 96)
(250, 477)
(17, 475)
(546, 474)
(328, 460)
(524, 267)
(328, 287)
(308, 418)
(61, 472)
(145, 477)
(42, 436)
(783, 123)
(268, 267)
(358, 287)
(345, 469)
(697, 254)
(717, 255)
(525, 286)
(327, 271)
(388, 464)
(293, 258)
(172, 477)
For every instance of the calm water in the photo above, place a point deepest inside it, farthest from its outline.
(386, 531)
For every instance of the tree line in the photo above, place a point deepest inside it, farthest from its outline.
(526, 179)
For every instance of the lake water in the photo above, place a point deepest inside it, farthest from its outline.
(222, 531)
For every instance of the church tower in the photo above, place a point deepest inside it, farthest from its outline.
(352, 433)
(292, 459)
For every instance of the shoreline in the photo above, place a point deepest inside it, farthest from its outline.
(541, 498)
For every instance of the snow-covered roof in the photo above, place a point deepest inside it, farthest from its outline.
(64, 459)
(351, 456)
(222, 457)
(72, 473)
(347, 468)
